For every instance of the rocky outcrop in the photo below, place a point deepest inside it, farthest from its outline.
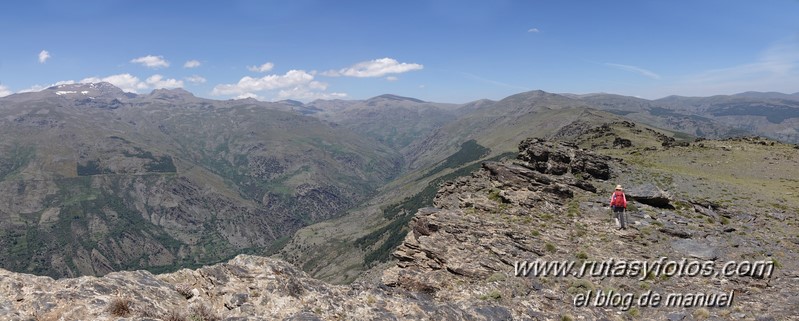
(559, 158)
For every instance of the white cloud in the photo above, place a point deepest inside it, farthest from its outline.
(191, 64)
(196, 79)
(157, 81)
(63, 82)
(43, 56)
(374, 68)
(33, 88)
(294, 84)
(533, 30)
(262, 68)
(637, 70)
(37, 87)
(392, 78)
(269, 82)
(126, 82)
(4, 91)
(151, 61)
(249, 95)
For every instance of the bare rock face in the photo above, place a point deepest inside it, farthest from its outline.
(561, 158)
(245, 288)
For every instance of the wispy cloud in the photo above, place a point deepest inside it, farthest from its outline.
(33, 88)
(493, 82)
(533, 30)
(4, 91)
(192, 64)
(374, 68)
(775, 69)
(262, 68)
(637, 70)
(151, 61)
(38, 87)
(392, 78)
(778, 60)
(196, 79)
(43, 56)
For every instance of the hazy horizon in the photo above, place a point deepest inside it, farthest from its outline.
(446, 51)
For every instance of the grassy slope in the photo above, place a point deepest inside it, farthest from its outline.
(748, 174)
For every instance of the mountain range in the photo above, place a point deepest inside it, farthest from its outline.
(340, 250)
(96, 180)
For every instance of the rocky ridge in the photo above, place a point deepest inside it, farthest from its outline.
(542, 207)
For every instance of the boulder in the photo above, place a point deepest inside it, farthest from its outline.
(649, 194)
(622, 143)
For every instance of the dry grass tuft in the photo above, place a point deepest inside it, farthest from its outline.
(120, 307)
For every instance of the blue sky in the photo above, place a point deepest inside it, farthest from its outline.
(438, 50)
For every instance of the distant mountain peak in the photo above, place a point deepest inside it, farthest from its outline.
(395, 97)
(291, 102)
(767, 95)
(171, 93)
(533, 94)
(87, 90)
(98, 86)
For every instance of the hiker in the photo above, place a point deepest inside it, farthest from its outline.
(618, 202)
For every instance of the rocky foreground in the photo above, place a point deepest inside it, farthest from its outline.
(245, 288)
(459, 261)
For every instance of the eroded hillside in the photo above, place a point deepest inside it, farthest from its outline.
(461, 258)
(95, 180)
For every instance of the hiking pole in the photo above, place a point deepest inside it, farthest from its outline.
(626, 218)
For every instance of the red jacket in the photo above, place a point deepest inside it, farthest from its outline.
(618, 199)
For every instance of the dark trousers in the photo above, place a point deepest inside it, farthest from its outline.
(618, 211)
